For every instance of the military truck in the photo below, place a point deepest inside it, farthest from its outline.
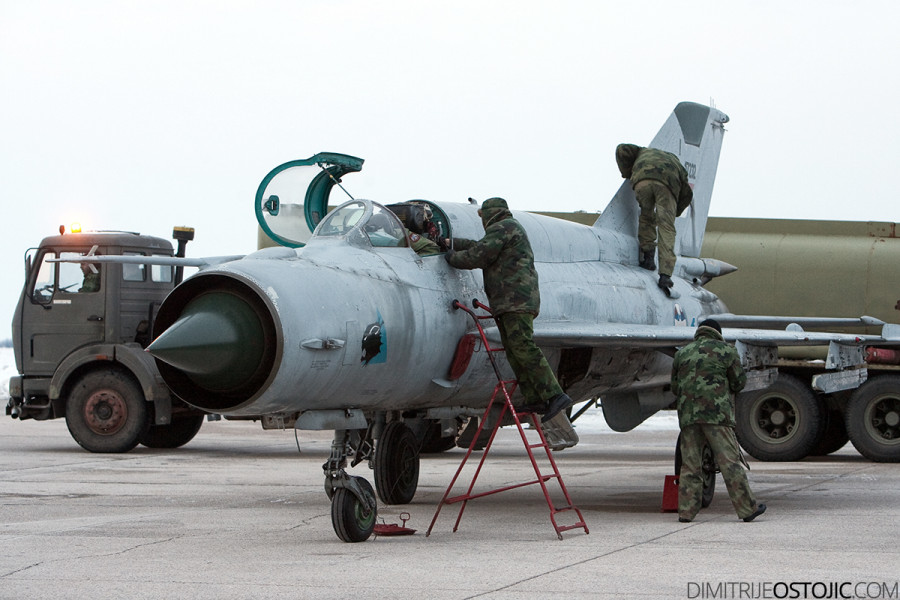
(814, 269)
(79, 333)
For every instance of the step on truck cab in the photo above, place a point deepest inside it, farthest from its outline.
(79, 333)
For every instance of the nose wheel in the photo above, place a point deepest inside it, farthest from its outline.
(353, 510)
(353, 505)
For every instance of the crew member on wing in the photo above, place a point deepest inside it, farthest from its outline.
(661, 188)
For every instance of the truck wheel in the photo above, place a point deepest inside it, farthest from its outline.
(834, 437)
(178, 433)
(396, 464)
(782, 422)
(106, 412)
(873, 419)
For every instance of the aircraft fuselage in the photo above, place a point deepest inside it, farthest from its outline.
(348, 325)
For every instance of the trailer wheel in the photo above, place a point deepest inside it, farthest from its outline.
(873, 419)
(396, 464)
(174, 435)
(106, 412)
(782, 422)
(834, 437)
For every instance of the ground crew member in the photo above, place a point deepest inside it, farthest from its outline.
(91, 282)
(705, 376)
(511, 284)
(661, 188)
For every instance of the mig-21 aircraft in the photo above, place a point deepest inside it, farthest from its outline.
(343, 326)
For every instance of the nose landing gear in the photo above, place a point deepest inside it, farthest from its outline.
(353, 505)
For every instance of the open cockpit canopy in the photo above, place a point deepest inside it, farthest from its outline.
(293, 198)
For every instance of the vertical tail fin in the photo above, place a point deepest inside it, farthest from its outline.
(693, 132)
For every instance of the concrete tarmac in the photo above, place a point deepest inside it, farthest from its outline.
(239, 513)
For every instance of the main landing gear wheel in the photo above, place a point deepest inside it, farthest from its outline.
(873, 419)
(352, 519)
(396, 464)
(433, 442)
(707, 466)
(106, 412)
(782, 422)
(174, 435)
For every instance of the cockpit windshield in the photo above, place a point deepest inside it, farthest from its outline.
(384, 229)
(341, 220)
(360, 219)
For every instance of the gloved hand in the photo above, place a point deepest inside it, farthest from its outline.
(448, 254)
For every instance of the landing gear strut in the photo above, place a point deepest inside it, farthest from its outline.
(396, 463)
(353, 505)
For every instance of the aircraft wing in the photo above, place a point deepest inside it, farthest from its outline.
(773, 322)
(625, 335)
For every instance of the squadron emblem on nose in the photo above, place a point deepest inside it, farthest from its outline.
(373, 342)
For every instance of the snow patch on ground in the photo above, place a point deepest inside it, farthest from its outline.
(7, 370)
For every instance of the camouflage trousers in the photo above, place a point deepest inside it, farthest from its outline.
(728, 456)
(658, 206)
(536, 379)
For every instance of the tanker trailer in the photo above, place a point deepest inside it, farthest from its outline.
(814, 269)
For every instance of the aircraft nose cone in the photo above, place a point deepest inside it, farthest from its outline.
(217, 342)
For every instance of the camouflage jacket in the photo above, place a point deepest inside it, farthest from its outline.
(637, 164)
(705, 376)
(505, 255)
(421, 245)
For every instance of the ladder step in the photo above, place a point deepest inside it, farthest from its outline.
(581, 525)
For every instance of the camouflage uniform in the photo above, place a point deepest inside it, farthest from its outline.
(421, 245)
(511, 284)
(705, 376)
(661, 188)
(91, 282)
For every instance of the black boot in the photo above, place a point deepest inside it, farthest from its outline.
(646, 260)
(665, 283)
(557, 404)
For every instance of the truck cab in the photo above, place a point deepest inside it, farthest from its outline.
(79, 331)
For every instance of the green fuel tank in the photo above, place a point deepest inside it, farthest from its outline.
(807, 268)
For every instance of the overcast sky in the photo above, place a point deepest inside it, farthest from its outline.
(144, 115)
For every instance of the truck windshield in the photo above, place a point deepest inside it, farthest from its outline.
(66, 278)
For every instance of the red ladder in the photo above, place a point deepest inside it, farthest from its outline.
(507, 387)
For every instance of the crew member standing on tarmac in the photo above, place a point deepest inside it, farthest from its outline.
(661, 188)
(706, 374)
(511, 284)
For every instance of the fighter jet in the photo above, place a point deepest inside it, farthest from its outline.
(342, 326)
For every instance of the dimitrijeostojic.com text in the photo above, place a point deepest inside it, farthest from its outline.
(781, 590)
